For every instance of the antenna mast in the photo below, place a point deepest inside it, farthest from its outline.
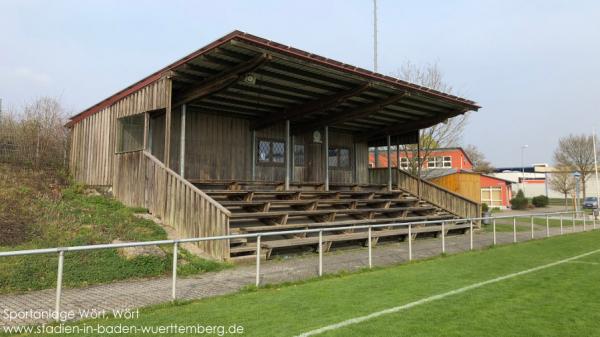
(375, 35)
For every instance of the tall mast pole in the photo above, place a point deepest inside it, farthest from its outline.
(375, 35)
(596, 168)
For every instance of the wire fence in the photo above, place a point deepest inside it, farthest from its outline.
(552, 224)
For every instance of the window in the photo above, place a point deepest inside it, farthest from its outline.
(492, 196)
(130, 133)
(439, 162)
(339, 157)
(298, 154)
(271, 151)
(404, 163)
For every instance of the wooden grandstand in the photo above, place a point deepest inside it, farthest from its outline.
(248, 136)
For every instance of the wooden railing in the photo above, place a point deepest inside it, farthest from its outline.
(142, 180)
(429, 192)
(438, 196)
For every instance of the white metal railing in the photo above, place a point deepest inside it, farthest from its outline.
(61, 250)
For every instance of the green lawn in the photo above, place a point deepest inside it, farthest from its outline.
(72, 219)
(560, 301)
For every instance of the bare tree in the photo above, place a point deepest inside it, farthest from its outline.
(562, 181)
(480, 164)
(444, 134)
(35, 135)
(575, 153)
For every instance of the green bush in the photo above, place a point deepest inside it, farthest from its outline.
(540, 201)
(519, 201)
(484, 208)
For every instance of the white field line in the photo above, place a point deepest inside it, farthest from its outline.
(585, 262)
(438, 297)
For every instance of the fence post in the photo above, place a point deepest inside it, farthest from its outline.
(594, 220)
(561, 225)
(320, 253)
(574, 216)
(443, 239)
(547, 226)
(409, 242)
(514, 229)
(258, 260)
(583, 215)
(532, 235)
(471, 234)
(174, 282)
(59, 278)
(494, 230)
(370, 247)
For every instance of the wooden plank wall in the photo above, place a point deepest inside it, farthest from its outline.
(93, 140)
(128, 181)
(465, 184)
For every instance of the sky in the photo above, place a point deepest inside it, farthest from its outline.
(534, 66)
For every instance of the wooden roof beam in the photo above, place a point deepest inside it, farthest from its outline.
(312, 106)
(222, 80)
(346, 115)
(403, 127)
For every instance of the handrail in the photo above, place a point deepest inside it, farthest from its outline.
(188, 184)
(262, 234)
(427, 182)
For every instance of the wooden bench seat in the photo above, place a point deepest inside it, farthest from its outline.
(276, 214)
(342, 223)
(320, 202)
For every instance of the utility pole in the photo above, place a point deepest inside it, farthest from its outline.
(375, 35)
(596, 169)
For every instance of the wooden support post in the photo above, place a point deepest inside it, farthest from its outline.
(287, 155)
(182, 142)
(146, 130)
(389, 162)
(326, 155)
(354, 167)
(167, 153)
(253, 164)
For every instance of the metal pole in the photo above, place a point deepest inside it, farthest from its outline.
(494, 230)
(389, 162)
(596, 169)
(174, 283)
(182, 142)
(514, 229)
(532, 235)
(258, 260)
(320, 253)
(287, 155)
(370, 248)
(561, 225)
(583, 215)
(253, 165)
(59, 278)
(409, 242)
(573, 221)
(443, 239)
(326, 150)
(547, 226)
(419, 164)
(471, 234)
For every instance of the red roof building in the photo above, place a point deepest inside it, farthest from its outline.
(494, 192)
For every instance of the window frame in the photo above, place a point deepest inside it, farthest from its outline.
(338, 150)
(120, 131)
(296, 156)
(270, 161)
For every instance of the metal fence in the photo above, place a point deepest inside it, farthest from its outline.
(573, 216)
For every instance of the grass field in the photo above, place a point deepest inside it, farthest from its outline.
(561, 300)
